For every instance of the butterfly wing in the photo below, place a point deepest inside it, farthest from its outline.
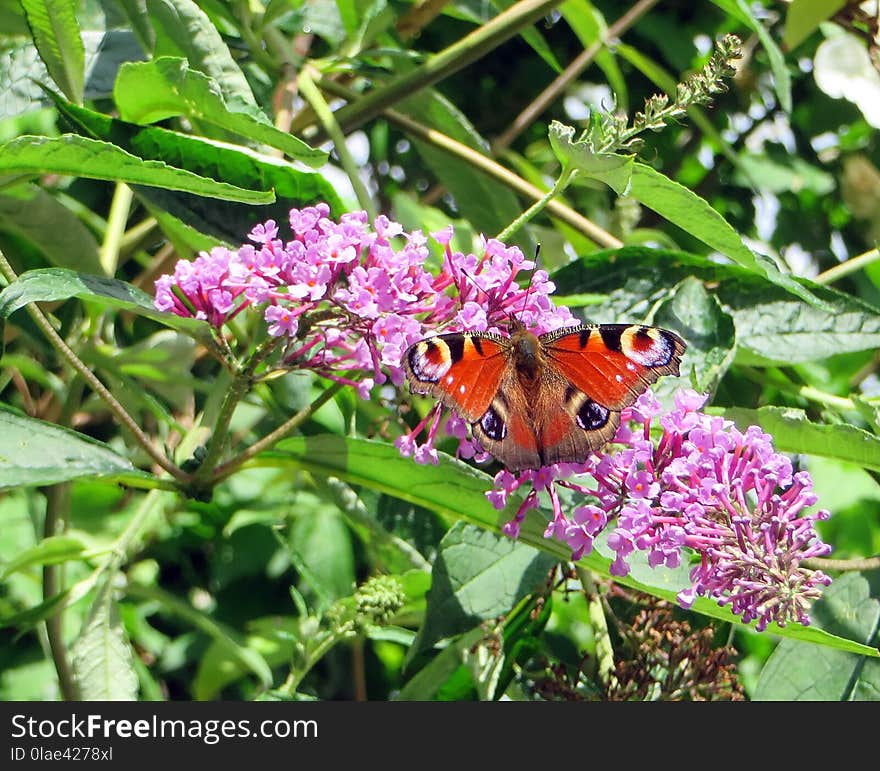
(568, 402)
(551, 422)
(506, 428)
(464, 371)
(572, 425)
(591, 373)
(612, 364)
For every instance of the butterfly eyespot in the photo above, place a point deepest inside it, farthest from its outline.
(430, 360)
(592, 416)
(646, 346)
(493, 425)
(618, 378)
(462, 389)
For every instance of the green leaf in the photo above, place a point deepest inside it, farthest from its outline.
(183, 29)
(790, 174)
(709, 331)
(798, 671)
(50, 551)
(33, 214)
(534, 38)
(686, 209)
(275, 638)
(228, 641)
(35, 452)
(793, 432)
(612, 169)
(457, 491)
(425, 684)
(101, 657)
(135, 12)
(477, 575)
(56, 34)
(323, 547)
(53, 284)
(29, 617)
(772, 326)
(83, 157)
(228, 221)
(147, 92)
(804, 16)
(23, 75)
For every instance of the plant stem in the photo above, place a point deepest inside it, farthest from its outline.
(561, 183)
(313, 96)
(241, 381)
(120, 207)
(442, 64)
(825, 563)
(570, 73)
(57, 499)
(823, 397)
(348, 501)
(486, 165)
(96, 385)
(604, 650)
(225, 469)
(845, 268)
(313, 657)
(417, 17)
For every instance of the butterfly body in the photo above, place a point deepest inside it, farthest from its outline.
(533, 400)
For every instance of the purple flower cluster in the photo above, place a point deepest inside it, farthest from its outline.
(348, 298)
(727, 495)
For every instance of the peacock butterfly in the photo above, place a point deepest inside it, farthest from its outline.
(533, 400)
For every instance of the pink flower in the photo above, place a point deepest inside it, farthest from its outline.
(705, 487)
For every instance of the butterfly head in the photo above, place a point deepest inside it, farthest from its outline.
(526, 349)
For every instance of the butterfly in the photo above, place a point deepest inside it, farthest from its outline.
(533, 400)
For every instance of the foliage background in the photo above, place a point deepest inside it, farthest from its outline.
(114, 586)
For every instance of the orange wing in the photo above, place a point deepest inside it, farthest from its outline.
(463, 370)
(613, 363)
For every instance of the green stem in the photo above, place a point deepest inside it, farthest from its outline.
(226, 638)
(313, 96)
(56, 523)
(778, 380)
(348, 501)
(313, 656)
(826, 563)
(241, 381)
(137, 233)
(224, 470)
(845, 268)
(604, 650)
(442, 64)
(120, 207)
(57, 499)
(254, 43)
(96, 385)
(561, 183)
(823, 397)
(486, 165)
